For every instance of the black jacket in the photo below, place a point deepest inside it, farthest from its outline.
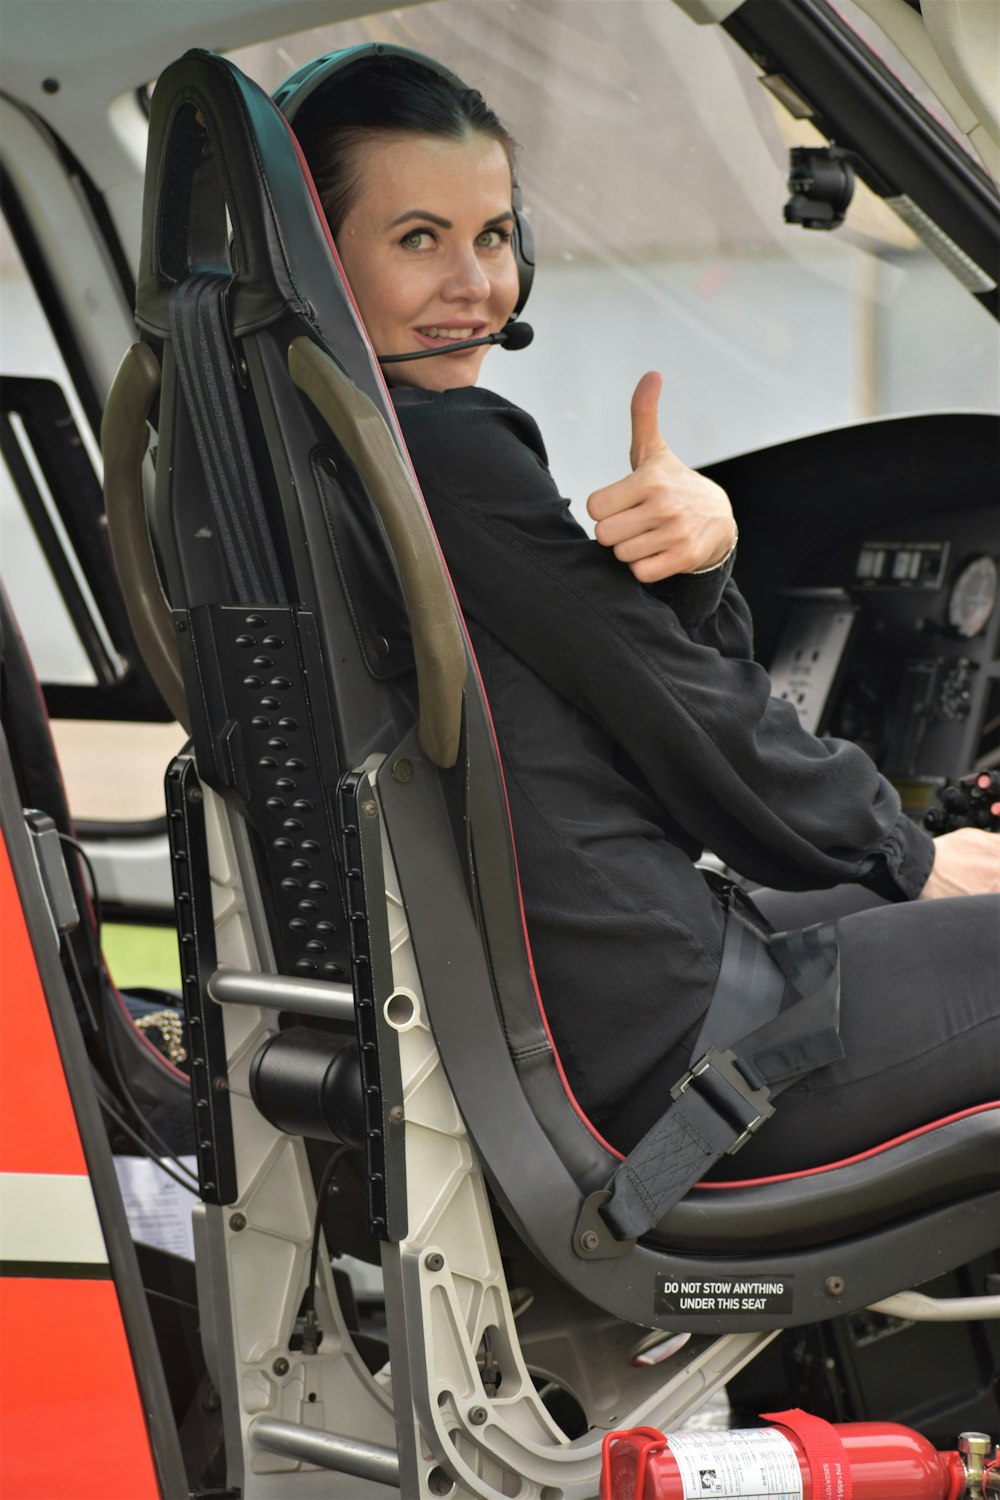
(635, 731)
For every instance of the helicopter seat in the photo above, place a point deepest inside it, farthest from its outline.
(356, 965)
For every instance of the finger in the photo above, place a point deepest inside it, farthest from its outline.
(656, 567)
(649, 516)
(653, 545)
(646, 436)
(614, 498)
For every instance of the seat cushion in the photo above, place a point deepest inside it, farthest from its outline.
(945, 1162)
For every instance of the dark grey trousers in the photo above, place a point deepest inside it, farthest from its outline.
(919, 1019)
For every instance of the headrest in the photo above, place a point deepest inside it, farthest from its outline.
(227, 192)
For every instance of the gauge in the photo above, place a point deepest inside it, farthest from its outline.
(973, 596)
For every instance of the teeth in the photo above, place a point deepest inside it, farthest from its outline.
(453, 335)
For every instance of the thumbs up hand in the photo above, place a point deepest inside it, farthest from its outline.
(663, 518)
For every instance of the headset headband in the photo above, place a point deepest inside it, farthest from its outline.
(306, 81)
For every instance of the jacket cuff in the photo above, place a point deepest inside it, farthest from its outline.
(694, 596)
(903, 864)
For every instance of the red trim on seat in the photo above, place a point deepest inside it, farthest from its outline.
(527, 942)
(848, 1161)
(605, 1145)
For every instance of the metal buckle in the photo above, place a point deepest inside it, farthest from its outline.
(724, 1065)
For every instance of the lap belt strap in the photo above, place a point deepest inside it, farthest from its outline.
(773, 1017)
(204, 357)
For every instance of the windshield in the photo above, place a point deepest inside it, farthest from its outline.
(654, 171)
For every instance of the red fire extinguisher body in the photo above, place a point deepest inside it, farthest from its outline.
(798, 1458)
(889, 1460)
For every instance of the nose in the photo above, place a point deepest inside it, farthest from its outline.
(466, 280)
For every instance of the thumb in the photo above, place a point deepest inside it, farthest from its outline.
(646, 436)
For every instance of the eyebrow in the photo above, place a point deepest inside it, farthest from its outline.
(428, 218)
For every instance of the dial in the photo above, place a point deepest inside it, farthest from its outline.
(973, 596)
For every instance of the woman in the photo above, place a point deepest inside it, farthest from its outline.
(634, 727)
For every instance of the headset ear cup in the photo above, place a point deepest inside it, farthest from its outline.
(524, 256)
(524, 251)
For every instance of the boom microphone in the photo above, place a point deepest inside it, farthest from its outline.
(514, 336)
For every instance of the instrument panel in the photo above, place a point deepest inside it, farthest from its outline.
(874, 579)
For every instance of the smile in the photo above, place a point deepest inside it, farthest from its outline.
(451, 335)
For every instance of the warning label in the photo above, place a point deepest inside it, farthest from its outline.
(753, 1465)
(725, 1294)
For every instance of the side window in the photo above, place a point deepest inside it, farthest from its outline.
(32, 551)
(56, 567)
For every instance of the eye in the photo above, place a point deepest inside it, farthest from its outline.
(418, 239)
(493, 239)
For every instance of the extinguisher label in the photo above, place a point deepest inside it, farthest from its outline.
(759, 1464)
(725, 1294)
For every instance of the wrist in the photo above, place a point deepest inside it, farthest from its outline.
(714, 567)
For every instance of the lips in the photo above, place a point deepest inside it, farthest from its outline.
(432, 335)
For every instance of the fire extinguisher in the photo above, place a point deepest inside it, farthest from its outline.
(798, 1457)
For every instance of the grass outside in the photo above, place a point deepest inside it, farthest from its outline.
(141, 957)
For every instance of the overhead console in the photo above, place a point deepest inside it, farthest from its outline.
(871, 560)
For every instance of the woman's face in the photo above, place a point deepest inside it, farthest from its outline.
(427, 251)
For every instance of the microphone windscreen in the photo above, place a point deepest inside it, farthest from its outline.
(517, 336)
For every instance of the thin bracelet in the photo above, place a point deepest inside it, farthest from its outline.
(699, 572)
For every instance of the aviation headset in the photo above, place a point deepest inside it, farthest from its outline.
(316, 75)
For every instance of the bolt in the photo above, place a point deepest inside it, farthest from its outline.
(280, 1366)
(221, 1085)
(381, 646)
(369, 810)
(195, 794)
(478, 1415)
(589, 1239)
(237, 1222)
(397, 1113)
(834, 1286)
(402, 770)
(434, 1261)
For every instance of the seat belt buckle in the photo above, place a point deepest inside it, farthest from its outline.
(717, 1078)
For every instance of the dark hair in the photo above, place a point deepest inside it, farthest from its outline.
(377, 97)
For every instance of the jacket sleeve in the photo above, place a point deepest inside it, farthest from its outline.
(731, 764)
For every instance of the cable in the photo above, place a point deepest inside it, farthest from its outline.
(67, 946)
(134, 1136)
(311, 1329)
(95, 895)
(116, 1068)
(123, 1086)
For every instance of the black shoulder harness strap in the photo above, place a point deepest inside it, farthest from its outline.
(774, 1016)
(204, 365)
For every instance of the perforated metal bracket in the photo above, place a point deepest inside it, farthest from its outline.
(196, 937)
(371, 964)
(592, 1239)
(263, 740)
